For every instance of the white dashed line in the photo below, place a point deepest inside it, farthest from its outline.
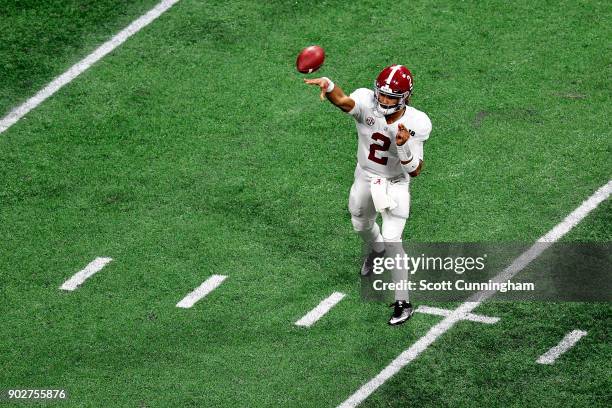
(322, 308)
(81, 276)
(204, 289)
(565, 344)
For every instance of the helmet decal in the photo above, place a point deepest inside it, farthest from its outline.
(394, 69)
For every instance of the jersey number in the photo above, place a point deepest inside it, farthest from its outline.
(377, 147)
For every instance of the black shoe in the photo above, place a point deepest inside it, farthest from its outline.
(402, 311)
(368, 264)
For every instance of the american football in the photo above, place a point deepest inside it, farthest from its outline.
(310, 59)
(305, 204)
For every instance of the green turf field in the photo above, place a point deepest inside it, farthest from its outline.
(195, 149)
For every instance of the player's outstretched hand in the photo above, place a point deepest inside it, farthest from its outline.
(321, 83)
(402, 136)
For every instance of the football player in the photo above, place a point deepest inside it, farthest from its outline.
(389, 153)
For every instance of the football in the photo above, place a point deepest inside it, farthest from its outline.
(310, 59)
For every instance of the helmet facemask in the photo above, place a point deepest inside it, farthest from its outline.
(387, 110)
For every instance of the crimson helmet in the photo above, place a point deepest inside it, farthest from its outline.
(394, 81)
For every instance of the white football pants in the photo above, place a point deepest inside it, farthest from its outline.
(363, 217)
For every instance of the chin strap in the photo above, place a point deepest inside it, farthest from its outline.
(392, 110)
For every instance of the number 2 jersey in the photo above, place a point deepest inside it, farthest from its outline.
(377, 151)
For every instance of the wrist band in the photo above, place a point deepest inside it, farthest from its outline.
(404, 153)
(412, 165)
(330, 85)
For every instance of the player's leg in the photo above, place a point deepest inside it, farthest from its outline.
(363, 218)
(393, 223)
(392, 228)
(363, 215)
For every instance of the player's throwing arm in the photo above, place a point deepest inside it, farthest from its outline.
(333, 92)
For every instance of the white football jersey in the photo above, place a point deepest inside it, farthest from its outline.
(377, 151)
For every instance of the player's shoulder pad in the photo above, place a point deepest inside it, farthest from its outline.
(362, 94)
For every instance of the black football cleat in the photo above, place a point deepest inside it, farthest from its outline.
(402, 311)
(368, 264)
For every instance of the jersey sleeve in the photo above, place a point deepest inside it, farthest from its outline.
(416, 147)
(422, 128)
(363, 99)
(421, 134)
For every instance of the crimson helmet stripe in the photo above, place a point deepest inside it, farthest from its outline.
(394, 69)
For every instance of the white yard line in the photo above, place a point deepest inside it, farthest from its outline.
(322, 308)
(81, 66)
(81, 276)
(445, 312)
(565, 344)
(448, 322)
(204, 289)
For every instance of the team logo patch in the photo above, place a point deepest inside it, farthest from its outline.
(370, 120)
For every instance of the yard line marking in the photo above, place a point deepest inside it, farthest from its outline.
(204, 289)
(81, 276)
(13, 116)
(445, 312)
(449, 321)
(322, 308)
(565, 344)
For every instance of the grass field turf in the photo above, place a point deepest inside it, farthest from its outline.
(39, 39)
(195, 149)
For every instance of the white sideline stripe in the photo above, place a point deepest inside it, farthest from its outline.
(204, 289)
(445, 312)
(517, 265)
(12, 117)
(81, 276)
(565, 344)
(325, 306)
